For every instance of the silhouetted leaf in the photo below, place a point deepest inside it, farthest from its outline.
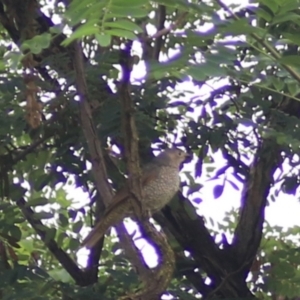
(218, 191)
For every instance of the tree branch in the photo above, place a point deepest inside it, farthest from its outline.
(64, 259)
(97, 160)
(248, 232)
(161, 18)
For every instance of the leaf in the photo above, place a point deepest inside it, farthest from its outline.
(73, 244)
(218, 191)
(130, 3)
(63, 220)
(72, 214)
(127, 11)
(271, 4)
(60, 239)
(262, 13)
(124, 24)
(233, 184)
(285, 18)
(43, 215)
(17, 192)
(50, 235)
(83, 31)
(290, 185)
(121, 33)
(104, 40)
(61, 198)
(37, 202)
(240, 26)
(201, 72)
(293, 88)
(37, 43)
(60, 275)
(194, 188)
(40, 182)
(77, 226)
(291, 38)
(27, 244)
(15, 232)
(5, 205)
(197, 200)
(292, 60)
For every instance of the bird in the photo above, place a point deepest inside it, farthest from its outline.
(159, 181)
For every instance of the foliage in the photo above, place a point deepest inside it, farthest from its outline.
(211, 76)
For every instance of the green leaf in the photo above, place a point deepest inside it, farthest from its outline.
(121, 33)
(293, 38)
(127, 11)
(27, 244)
(61, 198)
(271, 4)
(83, 31)
(77, 226)
(5, 205)
(15, 232)
(124, 24)
(240, 26)
(50, 235)
(203, 71)
(37, 202)
(263, 14)
(40, 182)
(17, 192)
(292, 60)
(60, 275)
(194, 188)
(129, 3)
(43, 215)
(60, 238)
(293, 88)
(63, 220)
(278, 84)
(104, 40)
(73, 244)
(285, 18)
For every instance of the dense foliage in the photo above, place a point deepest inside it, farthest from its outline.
(209, 76)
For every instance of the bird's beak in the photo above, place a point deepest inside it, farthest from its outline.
(188, 157)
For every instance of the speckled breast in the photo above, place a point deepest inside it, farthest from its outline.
(160, 191)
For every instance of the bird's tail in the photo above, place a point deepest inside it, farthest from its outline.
(95, 235)
(111, 218)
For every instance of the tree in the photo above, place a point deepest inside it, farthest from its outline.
(64, 108)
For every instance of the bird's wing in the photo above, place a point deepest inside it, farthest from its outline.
(117, 205)
(149, 173)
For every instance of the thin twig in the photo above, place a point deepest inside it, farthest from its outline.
(167, 30)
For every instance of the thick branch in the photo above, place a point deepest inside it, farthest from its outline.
(191, 233)
(156, 283)
(97, 159)
(249, 228)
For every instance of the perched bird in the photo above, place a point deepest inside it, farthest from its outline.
(160, 181)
